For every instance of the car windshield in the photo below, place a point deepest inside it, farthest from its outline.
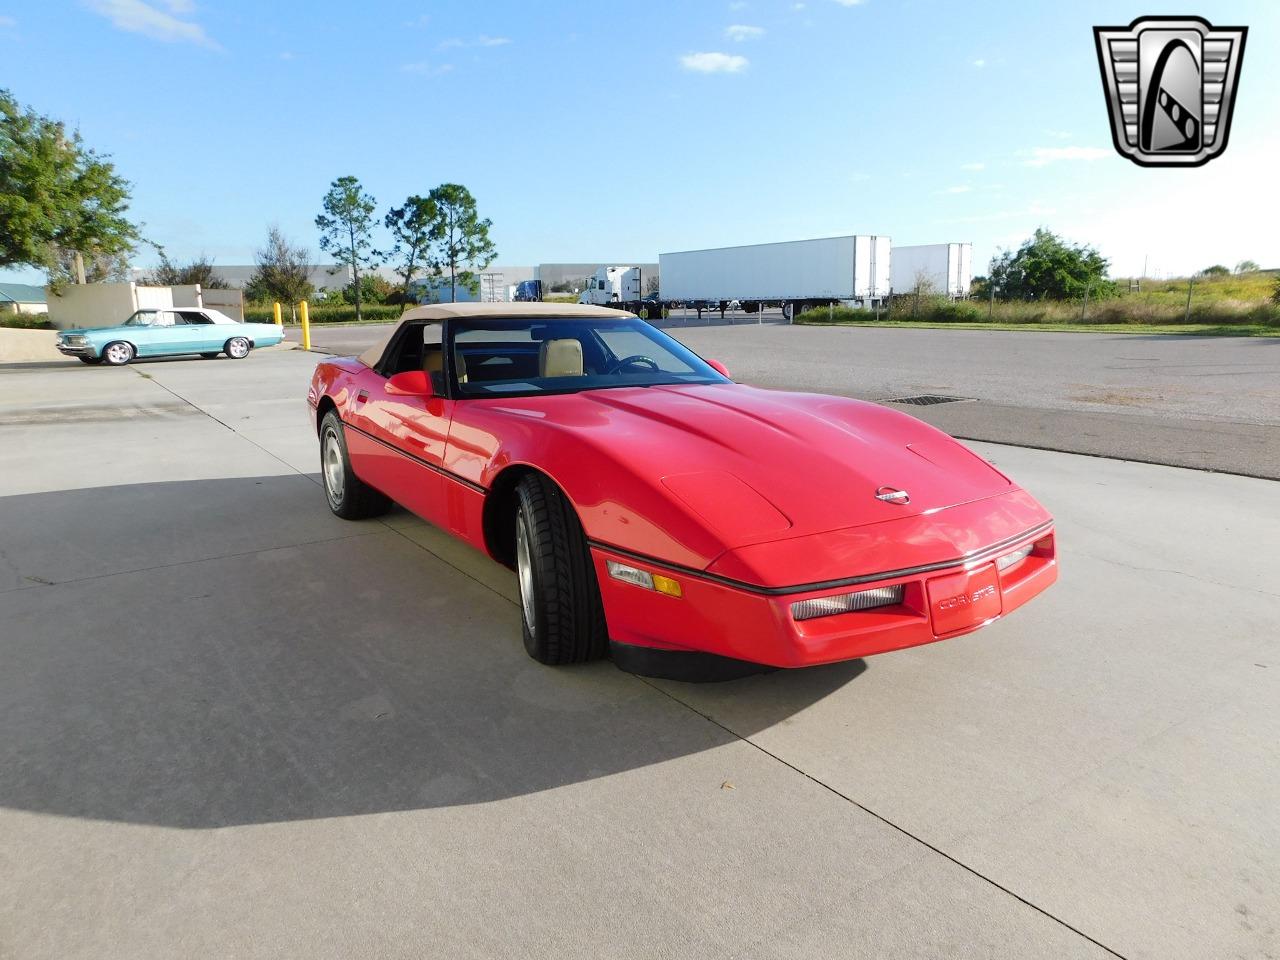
(143, 318)
(522, 357)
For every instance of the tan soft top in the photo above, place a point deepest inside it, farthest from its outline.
(514, 311)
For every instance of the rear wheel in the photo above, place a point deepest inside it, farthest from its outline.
(349, 497)
(560, 608)
(237, 348)
(92, 361)
(118, 353)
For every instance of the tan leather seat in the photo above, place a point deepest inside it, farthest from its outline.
(560, 358)
(433, 366)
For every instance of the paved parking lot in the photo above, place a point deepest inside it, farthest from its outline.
(237, 726)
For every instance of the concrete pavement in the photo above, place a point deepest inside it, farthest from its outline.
(235, 725)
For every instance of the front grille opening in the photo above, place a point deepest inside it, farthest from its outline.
(927, 400)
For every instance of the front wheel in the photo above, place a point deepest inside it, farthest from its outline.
(561, 614)
(237, 348)
(117, 354)
(349, 497)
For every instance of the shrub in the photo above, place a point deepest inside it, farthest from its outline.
(25, 321)
(326, 313)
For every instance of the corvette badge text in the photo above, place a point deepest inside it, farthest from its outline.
(1170, 84)
(966, 599)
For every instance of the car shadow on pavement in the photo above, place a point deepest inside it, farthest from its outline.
(205, 653)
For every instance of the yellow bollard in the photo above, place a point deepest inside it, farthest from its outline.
(275, 310)
(306, 325)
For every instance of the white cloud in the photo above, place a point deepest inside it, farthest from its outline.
(424, 69)
(963, 188)
(740, 31)
(713, 62)
(979, 63)
(798, 6)
(134, 16)
(849, 3)
(7, 22)
(1042, 156)
(738, 5)
(481, 41)
(973, 166)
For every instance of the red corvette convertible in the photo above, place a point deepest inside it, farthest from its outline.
(654, 509)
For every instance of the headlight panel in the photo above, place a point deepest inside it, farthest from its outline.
(847, 602)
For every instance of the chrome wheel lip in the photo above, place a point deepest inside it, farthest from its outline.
(333, 469)
(238, 348)
(524, 572)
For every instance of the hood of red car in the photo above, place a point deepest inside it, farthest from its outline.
(760, 464)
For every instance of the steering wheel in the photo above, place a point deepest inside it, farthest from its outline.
(632, 360)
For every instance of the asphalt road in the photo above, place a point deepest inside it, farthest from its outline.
(237, 726)
(1208, 403)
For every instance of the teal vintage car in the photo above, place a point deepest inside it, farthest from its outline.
(168, 333)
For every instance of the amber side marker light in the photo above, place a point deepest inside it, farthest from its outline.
(643, 578)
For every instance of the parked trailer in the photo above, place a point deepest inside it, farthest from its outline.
(851, 270)
(945, 268)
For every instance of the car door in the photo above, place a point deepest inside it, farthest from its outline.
(166, 334)
(397, 443)
(202, 334)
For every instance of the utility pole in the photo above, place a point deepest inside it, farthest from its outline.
(78, 261)
(1187, 316)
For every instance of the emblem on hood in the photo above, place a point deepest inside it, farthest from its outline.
(893, 495)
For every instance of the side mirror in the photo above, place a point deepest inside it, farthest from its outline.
(411, 383)
(719, 368)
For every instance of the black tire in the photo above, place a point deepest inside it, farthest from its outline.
(353, 499)
(92, 361)
(561, 614)
(209, 356)
(117, 353)
(237, 348)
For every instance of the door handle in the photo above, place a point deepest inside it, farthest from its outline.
(362, 396)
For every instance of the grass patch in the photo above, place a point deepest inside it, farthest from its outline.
(1186, 329)
(1237, 305)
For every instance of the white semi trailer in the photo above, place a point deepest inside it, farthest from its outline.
(851, 270)
(613, 285)
(945, 268)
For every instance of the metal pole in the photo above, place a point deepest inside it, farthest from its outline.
(275, 311)
(1084, 303)
(306, 326)
(1187, 316)
(991, 307)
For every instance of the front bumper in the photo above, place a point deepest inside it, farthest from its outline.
(720, 617)
(77, 349)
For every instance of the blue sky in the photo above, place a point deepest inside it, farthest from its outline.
(601, 129)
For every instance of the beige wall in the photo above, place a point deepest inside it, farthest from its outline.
(92, 305)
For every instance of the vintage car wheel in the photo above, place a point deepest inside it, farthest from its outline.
(349, 497)
(92, 361)
(237, 348)
(209, 356)
(561, 613)
(118, 353)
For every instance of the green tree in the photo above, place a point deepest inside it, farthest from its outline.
(1217, 270)
(98, 267)
(283, 274)
(1046, 267)
(346, 229)
(1247, 266)
(410, 227)
(459, 239)
(200, 270)
(57, 197)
